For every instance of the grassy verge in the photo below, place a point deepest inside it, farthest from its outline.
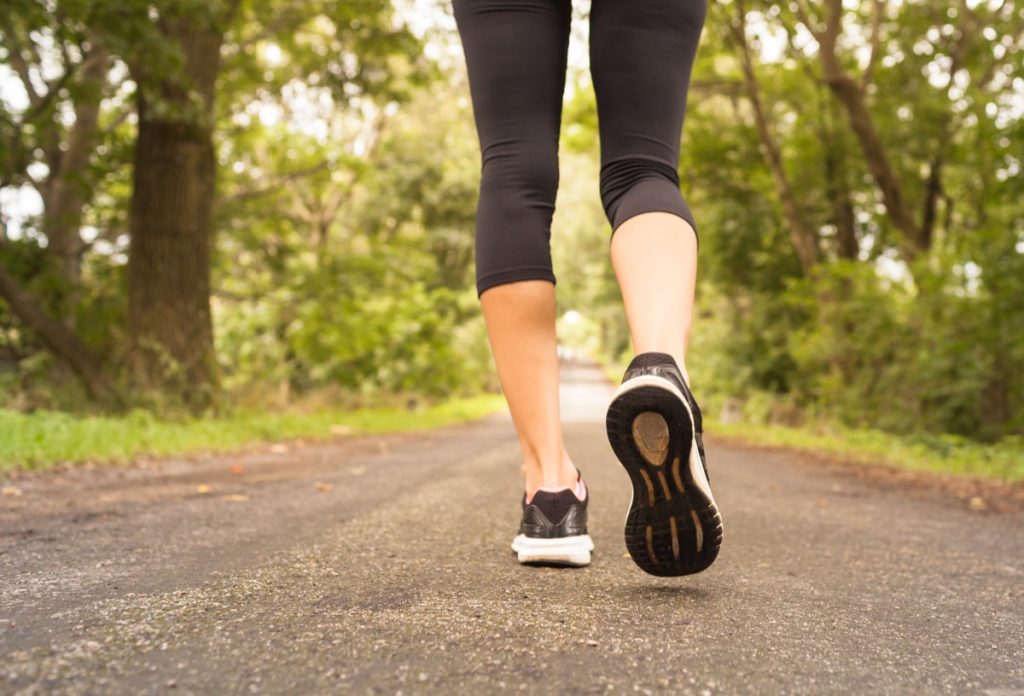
(42, 439)
(937, 453)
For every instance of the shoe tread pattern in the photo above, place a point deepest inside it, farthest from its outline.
(670, 531)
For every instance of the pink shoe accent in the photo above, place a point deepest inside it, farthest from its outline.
(579, 490)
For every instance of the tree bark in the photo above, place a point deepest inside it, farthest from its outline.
(58, 338)
(68, 184)
(170, 221)
(843, 215)
(875, 155)
(803, 237)
(846, 224)
(850, 94)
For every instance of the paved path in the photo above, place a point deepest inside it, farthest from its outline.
(380, 565)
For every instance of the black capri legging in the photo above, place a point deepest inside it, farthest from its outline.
(641, 56)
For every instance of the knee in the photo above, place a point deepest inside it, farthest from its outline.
(521, 175)
(517, 202)
(634, 185)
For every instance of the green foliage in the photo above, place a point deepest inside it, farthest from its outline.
(347, 183)
(344, 233)
(872, 338)
(354, 273)
(870, 352)
(353, 324)
(30, 377)
(872, 341)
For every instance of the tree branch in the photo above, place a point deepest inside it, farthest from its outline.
(804, 239)
(877, 12)
(805, 18)
(797, 56)
(852, 97)
(121, 117)
(68, 184)
(932, 192)
(933, 184)
(275, 185)
(58, 339)
(44, 101)
(18, 62)
(283, 22)
(833, 26)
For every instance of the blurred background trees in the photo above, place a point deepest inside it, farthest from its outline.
(246, 201)
(855, 172)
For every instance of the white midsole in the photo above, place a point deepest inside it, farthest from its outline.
(582, 541)
(573, 549)
(696, 468)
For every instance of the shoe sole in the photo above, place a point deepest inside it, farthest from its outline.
(564, 551)
(673, 526)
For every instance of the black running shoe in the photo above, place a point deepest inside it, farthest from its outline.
(654, 427)
(554, 529)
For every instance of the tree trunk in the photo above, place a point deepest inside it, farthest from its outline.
(851, 95)
(877, 158)
(843, 215)
(932, 193)
(68, 185)
(801, 234)
(170, 325)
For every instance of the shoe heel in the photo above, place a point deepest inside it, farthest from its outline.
(672, 527)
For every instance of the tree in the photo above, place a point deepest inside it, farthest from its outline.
(802, 235)
(171, 210)
(854, 173)
(62, 69)
(176, 53)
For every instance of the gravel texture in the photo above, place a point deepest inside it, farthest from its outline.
(381, 565)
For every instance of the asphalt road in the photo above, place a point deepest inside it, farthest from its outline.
(381, 565)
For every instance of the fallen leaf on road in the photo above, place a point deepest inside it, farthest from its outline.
(11, 490)
(821, 503)
(235, 498)
(358, 470)
(202, 488)
(341, 429)
(977, 503)
(236, 469)
(323, 487)
(279, 449)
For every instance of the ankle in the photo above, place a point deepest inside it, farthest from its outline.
(554, 473)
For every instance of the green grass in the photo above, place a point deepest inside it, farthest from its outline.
(936, 453)
(46, 438)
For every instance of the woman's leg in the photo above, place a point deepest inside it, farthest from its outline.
(521, 326)
(642, 55)
(516, 55)
(641, 58)
(655, 261)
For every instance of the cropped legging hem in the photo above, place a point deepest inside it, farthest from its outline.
(641, 58)
(513, 276)
(652, 195)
